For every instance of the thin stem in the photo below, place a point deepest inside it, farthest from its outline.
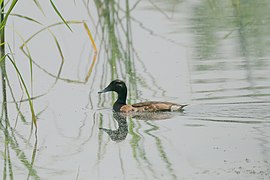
(3, 64)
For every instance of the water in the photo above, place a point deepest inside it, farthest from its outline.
(211, 55)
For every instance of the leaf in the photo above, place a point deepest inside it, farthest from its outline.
(27, 18)
(3, 58)
(3, 23)
(34, 120)
(95, 51)
(39, 6)
(59, 14)
(61, 54)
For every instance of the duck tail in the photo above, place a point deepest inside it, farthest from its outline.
(177, 107)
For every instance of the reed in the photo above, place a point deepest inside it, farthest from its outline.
(2, 63)
(12, 149)
(120, 56)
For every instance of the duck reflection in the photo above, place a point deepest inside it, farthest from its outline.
(121, 133)
(152, 116)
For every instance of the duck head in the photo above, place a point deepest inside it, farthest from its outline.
(116, 86)
(119, 87)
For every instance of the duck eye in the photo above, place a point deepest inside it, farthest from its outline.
(119, 85)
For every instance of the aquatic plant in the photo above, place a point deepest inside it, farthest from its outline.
(9, 131)
(114, 30)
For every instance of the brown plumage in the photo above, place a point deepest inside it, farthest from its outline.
(150, 106)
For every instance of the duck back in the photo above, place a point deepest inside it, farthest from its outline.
(153, 106)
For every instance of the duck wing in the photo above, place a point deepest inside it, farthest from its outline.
(153, 106)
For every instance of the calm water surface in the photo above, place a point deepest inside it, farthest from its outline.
(211, 55)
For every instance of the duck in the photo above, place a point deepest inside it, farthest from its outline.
(120, 104)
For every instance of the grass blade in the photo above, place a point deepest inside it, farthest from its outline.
(59, 14)
(34, 120)
(95, 51)
(27, 52)
(3, 58)
(3, 23)
(27, 18)
(61, 54)
(39, 6)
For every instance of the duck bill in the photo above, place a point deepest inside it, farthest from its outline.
(105, 90)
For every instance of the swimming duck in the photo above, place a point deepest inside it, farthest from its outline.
(120, 105)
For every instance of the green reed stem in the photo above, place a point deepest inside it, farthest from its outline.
(3, 64)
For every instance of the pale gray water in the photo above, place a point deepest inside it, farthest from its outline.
(211, 55)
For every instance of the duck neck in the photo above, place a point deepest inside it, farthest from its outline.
(122, 97)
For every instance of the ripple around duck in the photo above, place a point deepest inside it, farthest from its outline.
(236, 112)
(251, 112)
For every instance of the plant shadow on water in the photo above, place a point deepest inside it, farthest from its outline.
(11, 144)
